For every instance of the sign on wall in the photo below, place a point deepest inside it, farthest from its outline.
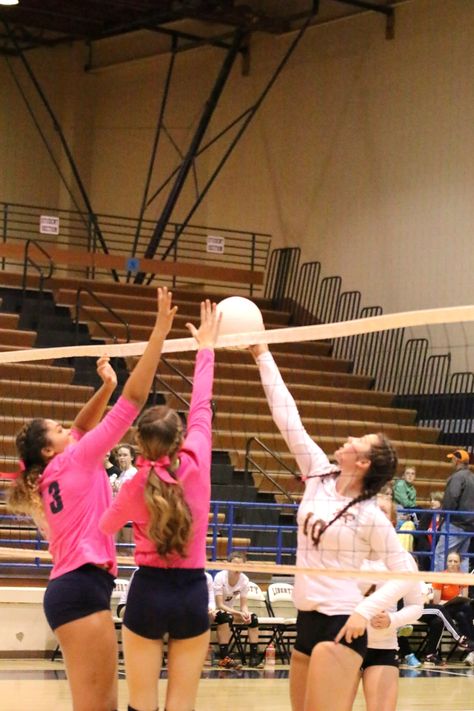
(49, 225)
(215, 244)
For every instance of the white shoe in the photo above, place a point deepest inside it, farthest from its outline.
(470, 659)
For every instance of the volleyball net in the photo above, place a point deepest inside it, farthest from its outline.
(408, 375)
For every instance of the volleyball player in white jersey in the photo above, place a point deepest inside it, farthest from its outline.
(381, 662)
(339, 525)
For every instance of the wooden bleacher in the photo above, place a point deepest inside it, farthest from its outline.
(333, 401)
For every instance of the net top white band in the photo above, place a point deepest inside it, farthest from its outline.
(386, 322)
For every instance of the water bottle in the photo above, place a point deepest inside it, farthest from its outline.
(270, 656)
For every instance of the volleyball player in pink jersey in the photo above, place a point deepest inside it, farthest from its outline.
(168, 503)
(339, 525)
(65, 487)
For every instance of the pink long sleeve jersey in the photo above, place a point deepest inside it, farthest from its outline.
(75, 491)
(193, 473)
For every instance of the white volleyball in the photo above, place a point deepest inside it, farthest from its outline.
(239, 315)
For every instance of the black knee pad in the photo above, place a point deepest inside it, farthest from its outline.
(253, 620)
(223, 617)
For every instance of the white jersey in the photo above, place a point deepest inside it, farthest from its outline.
(230, 593)
(211, 605)
(410, 612)
(363, 532)
(124, 476)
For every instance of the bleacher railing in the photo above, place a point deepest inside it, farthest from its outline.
(278, 546)
(399, 362)
(213, 245)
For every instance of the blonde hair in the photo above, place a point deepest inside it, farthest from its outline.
(160, 433)
(170, 518)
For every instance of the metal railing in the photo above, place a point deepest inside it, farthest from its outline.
(169, 388)
(80, 307)
(266, 475)
(44, 275)
(399, 361)
(242, 248)
(281, 544)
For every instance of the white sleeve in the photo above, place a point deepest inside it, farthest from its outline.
(219, 584)
(244, 590)
(385, 545)
(210, 591)
(309, 456)
(406, 616)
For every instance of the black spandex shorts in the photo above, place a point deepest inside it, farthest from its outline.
(167, 600)
(381, 658)
(76, 594)
(313, 627)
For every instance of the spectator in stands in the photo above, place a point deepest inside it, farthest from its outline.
(404, 491)
(168, 501)
(231, 586)
(456, 600)
(63, 485)
(339, 525)
(123, 598)
(124, 454)
(428, 521)
(438, 617)
(211, 604)
(111, 468)
(458, 496)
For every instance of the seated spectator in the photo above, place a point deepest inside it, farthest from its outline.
(455, 599)
(229, 587)
(430, 522)
(404, 491)
(404, 536)
(123, 598)
(438, 618)
(211, 607)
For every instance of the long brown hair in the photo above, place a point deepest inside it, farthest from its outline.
(160, 433)
(383, 465)
(24, 496)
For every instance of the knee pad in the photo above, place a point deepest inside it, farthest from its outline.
(253, 620)
(223, 617)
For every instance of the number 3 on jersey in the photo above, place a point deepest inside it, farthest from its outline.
(56, 505)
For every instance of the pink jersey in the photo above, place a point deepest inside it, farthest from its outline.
(75, 491)
(193, 473)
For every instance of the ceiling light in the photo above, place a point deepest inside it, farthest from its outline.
(9, 2)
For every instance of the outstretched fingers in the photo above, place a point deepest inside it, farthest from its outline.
(166, 310)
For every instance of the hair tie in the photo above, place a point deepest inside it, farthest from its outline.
(159, 465)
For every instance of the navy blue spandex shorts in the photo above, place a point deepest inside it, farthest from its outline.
(313, 627)
(167, 600)
(381, 658)
(76, 594)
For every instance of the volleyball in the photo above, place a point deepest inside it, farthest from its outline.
(239, 315)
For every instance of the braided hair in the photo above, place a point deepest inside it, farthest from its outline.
(383, 466)
(160, 433)
(24, 496)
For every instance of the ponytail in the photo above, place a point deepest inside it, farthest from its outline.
(24, 496)
(170, 525)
